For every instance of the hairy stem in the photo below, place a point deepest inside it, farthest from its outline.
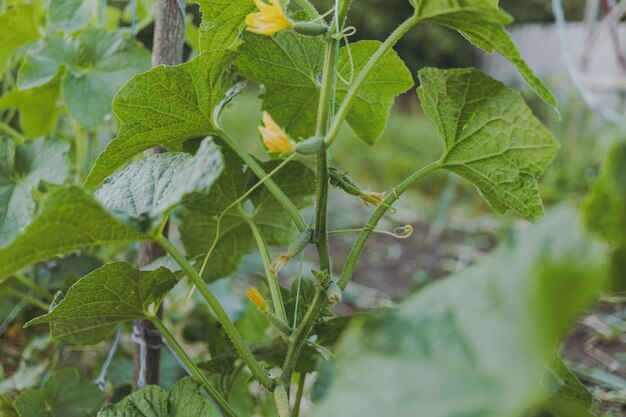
(309, 8)
(300, 335)
(353, 91)
(299, 394)
(244, 352)
(272, 280)
(215, 395)
(278, 194)
(357, 247)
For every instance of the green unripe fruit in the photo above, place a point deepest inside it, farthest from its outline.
(282, 401)
(310, 146)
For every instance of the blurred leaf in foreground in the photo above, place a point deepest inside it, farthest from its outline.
(483, 337)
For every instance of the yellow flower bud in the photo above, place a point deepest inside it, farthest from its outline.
(257, 299)
(374, 199)
(269, 20)
(274, 137)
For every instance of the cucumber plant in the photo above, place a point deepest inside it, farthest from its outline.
(481, 343)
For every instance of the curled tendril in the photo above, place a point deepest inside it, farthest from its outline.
(401, 232)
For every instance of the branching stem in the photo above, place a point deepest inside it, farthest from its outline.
(278, 194)
(354, 89)
(244, 352)
(357, 247)
(272, 280)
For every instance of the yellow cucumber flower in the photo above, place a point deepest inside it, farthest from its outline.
(257, 299)
(274, 137)
(269, 20)
(374, 199)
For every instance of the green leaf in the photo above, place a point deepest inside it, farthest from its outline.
(289, 64)
(571, 398)
(68, 219)
(97, 64)
(605, 207)
(370, 111)
(71, 15)
(63, 395)
(185, 400)
(490, 137)
(21, 170)
(152, 187)
(483, 337)
(167, 106)
(39, 107)
(482, 23)
(200, 211)
(222, 22)
(112, 294)
(18, 26)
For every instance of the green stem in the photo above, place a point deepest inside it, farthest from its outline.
(324, 113)
(34, 301)
(299, 394)
(257, 370)
(278, 194)
(300, 335)
(272, 280)
(39, 290)
(354, 89)
(215, 395)
(309, 9)
(19, 138)
(357, 247)
(321, 209)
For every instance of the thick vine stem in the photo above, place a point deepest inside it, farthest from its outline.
(353, 91)
(272, 280)
(302, 332)
(357, 247)
(278, 194)
(215, 395)
(244, 352)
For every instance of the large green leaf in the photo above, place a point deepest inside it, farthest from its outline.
(490, 137)
(166, 106)
(482, 23)
(186, 399)
(222, 22)
(200, 212)
(369, 113)
(289, 64)
(605, 208)
(18, 26)
(68, 219)
(149, 188)
(63, 395)
(71, 15)
(21, 170)
(112, 294)
(97, 64)
(476, 344)
(38, 107)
